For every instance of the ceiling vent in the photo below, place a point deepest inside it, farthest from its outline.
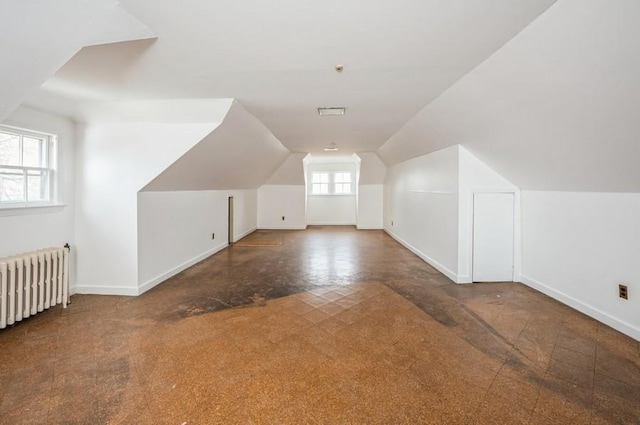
(331, 111)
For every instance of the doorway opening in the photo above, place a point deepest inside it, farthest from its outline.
(230, 224)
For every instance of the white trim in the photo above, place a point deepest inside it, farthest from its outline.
(370, 227)
(340, 223)
(247, 233)
(271, 227)
(134, 291)
(464, 279)
(597, 314)
(24, 209)
(105, 290)
(174, 271)
(442, 269)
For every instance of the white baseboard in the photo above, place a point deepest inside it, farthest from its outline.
(464, 279)
(442, 269)
(130, 291)
(272, 227)
(582, 307)
(331, 224)
(366, 227)
(174, 271)
(243, 234)
(133, 290)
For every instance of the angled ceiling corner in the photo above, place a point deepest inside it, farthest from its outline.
(39, 37)
(241, 153)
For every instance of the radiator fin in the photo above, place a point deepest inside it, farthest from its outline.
(33, 282)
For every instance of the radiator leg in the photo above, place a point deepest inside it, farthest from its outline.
(20, 289)
(41, 272)
(11, 299)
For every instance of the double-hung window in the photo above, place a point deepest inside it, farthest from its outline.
(320, 183)
(342, 183)
(331, 183)
(26, 172)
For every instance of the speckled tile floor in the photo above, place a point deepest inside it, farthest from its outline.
(326, 326)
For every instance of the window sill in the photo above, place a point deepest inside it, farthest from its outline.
(332, 194)
(10, 210)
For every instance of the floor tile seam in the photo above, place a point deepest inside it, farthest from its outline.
(546, 372)
(578, 352)
(590, 389)
(476, 411)
(596, 374)
(595, 368)
(563, 363)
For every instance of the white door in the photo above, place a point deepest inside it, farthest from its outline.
(493, 223)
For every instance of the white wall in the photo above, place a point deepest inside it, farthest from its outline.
(115, 160)
(577, 248)
(476, 177)
(370, 191)
(421, 207)
(329, 210)
(175, 229)
(284, 195)
(370, 206)
(372, 169)
(34, 228)
(277, 201)
(245, 212)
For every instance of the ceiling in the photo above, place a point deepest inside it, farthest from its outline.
(277, 59)
(557, 108)
(40, 36)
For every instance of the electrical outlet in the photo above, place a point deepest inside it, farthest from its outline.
(213, 236)
(282, 218)
(391, 223)
(623, 292)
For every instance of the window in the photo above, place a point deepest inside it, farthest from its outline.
(320, 183)
(342, 183)
(25, 167)
(331, 183)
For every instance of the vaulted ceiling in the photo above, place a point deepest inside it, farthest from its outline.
(557, 108)
(544, 92)
(278, 60)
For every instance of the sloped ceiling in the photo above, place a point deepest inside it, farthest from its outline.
(291, 172)
(557, 108)
(240, 153)
(277, 58)
(37, 37)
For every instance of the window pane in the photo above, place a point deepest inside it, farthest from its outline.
(9, 149)
(33, 152)
(342, 177)
(37, 186)
(11, 185)
(320, 178)
(343, 188)
(320, 188)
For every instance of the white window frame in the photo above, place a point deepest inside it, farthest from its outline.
(48, 168)
(340, 181)
(335, 178)
(320, 183)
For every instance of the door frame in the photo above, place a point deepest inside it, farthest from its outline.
(515, 275)
(230, 209)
